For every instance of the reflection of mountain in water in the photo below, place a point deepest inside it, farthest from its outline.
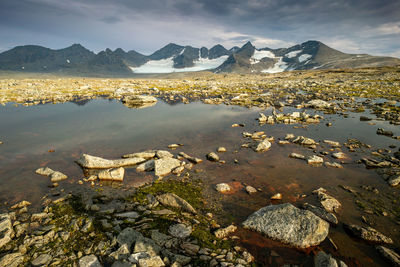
(80, 102)
(139, 105)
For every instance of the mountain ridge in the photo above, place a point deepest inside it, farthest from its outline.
(76, 59)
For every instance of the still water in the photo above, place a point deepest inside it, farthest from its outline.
(56, 135)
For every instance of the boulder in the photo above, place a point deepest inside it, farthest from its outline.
(172, 200)
(318, 103)
(116, 174)
(12, 260)
(264, 145)
(146, 166)
(145, 154)
(212, 156)
(55, 176)
(329, 203)
(89, 261)
(164, 166)
(180, 230)
(367, 233)
(288, 224)
(323, 214)
(314, 160)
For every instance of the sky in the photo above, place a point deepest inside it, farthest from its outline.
(352, 26)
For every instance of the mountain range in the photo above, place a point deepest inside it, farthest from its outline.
(77, 60)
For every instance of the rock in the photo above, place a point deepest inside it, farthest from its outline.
(12, 260)
(329, 203)
(332, 143)
(164, 166)
(390, 255)
(155, 261)
(368, 233)
(249, 189)
(323, 214)
(277, 196)
(223, 188)
(190, 248)
(43, 259)
(296, 156)
(129, 214)
(221, 149)
(172, 200)
(262, 146)
(314, 160)
(318, 103)
(21, 205)
(6, 229)
(364, 118)
(135, 257)
(112, 175)
(164, 154)
(381, 131)
(212, 156)
(289, 136)
(146, 245)
(149, 154)
(324, 260)
(159, 238)
(333, 165)
(173, 146)
(122, 264)
(189, 158)
(224, 232)
(128, 236)
(89, 261)
(339, 155)
(180, 230)
(139, 101)
(262, 119)
(394, 180)
(288, 224)
(55, 176)
(146, 166)
(305, 141)
(92, 162)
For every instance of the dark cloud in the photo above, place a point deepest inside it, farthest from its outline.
(368, 26)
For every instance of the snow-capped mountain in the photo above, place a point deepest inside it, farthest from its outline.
(77, 60)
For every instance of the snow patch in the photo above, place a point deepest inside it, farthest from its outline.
(304, 57)
(167, 65)
(279, 66)
(260, 54)
(68, 61)
(293, 53)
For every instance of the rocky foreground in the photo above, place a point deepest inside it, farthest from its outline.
(168, 222)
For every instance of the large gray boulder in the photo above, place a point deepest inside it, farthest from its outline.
(288, 224)
(175, 201)
(92, 162)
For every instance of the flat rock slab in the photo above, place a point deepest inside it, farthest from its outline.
(55, 176)
(368, 234)
(92, 162)
(288, 224)
(164, 166)
(145, 154)
(175, 201)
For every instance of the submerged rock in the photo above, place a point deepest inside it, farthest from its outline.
(92, 162)
(55, 176)
(390, 255)
(165, 166)
(146, 166)
(223, 188)
(190, 158)
(288, 224)
(172, 200)
(368, 233)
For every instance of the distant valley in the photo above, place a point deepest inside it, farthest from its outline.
(77, 60)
